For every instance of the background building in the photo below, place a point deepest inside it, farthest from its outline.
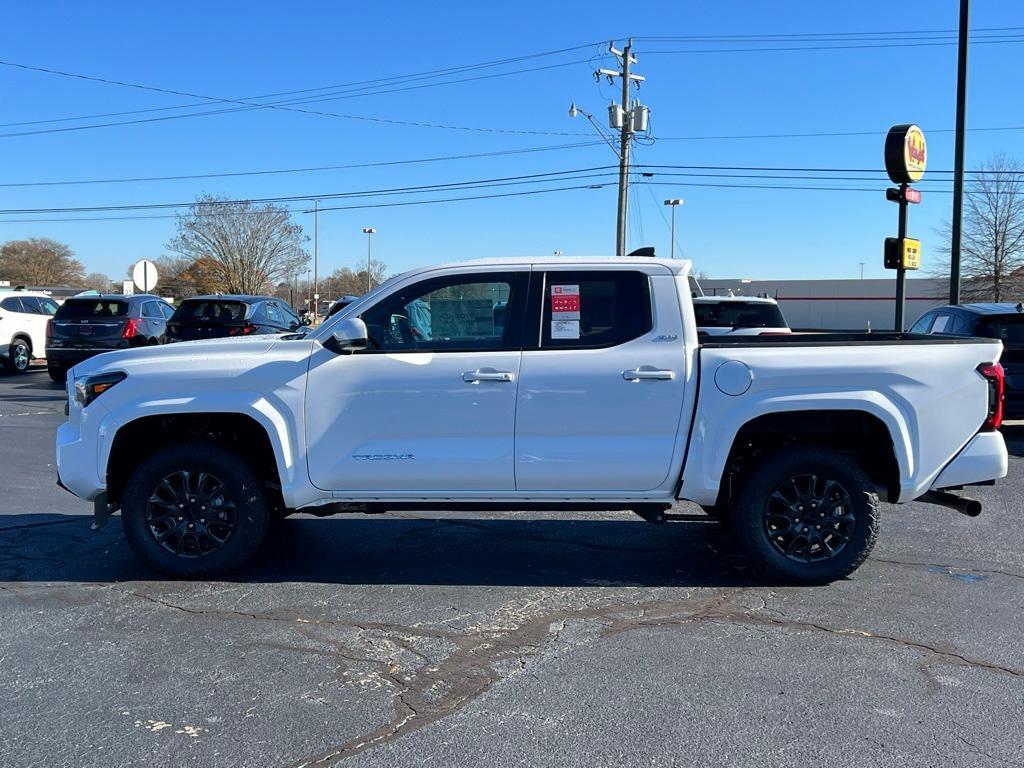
(839, 304)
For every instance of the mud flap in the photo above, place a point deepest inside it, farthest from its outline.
(100, 511)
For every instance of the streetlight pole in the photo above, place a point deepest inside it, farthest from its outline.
(369, 232)
(673, 203)
(316, 260)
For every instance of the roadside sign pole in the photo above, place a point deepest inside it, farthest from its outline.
(901, 272)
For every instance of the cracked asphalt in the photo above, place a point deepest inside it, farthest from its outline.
(500, 639)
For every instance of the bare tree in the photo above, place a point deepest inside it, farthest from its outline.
(992, 243)
(347, 281)
(39, 261)
(248, 246)
(96, 281)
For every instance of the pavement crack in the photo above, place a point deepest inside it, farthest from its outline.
(946, 567)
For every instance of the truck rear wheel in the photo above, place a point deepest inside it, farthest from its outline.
(194, 509)
(807, 515)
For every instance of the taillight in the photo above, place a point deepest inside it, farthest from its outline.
(49, 329)
(241, 330)
(993, 373)
(131, 330)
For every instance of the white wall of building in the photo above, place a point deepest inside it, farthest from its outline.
(839, 304)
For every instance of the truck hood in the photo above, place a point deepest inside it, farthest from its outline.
(197, 355)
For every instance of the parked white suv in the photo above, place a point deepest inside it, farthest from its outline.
(23, 319)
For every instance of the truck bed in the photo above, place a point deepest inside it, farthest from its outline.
(836, 339)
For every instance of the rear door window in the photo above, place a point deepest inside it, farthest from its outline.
(11, 304)
(923, 324)
(594, 309)
(210, 311)
(941, 324)
(92, 309)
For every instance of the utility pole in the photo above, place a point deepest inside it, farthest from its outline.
(958, 155)
(628, 119)
(316, 260)
(624, 135)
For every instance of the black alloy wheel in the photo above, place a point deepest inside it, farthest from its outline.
(191, 514)
(809, 518)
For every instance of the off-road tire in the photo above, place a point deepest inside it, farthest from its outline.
(751, 521)
(241, 488)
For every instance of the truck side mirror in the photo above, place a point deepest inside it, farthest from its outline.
(349, 336)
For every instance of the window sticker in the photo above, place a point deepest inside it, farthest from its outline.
(565, 305)
(565, 329)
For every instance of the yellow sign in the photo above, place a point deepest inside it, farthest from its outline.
(915, 153)
(911, 253)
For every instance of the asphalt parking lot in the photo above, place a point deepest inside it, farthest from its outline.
(500, 639)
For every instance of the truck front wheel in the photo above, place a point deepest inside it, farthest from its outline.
(806, 515)
(194, 509)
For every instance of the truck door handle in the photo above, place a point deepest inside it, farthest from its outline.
(647, 372)
(487, 374)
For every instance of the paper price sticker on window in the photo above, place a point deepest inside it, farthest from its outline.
(565, 302)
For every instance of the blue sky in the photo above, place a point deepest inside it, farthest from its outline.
(694, 89)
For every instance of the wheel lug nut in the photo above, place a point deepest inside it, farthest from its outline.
(818, 527)
(203, 520)
(181, 506)
(180, 518)
(191, 525)
(805, 529)
(203, 508)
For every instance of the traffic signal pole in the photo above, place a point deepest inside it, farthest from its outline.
(958, 156)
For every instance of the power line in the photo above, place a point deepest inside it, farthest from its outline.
(393, 204)
(831, 47)
(310, 169)
(241, 102)
(498, 181)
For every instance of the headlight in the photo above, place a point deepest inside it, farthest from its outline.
(88, 388)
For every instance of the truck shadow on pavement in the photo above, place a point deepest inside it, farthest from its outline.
(423, 550)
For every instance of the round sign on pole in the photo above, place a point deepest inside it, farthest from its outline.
(144, 275)
(906, 154)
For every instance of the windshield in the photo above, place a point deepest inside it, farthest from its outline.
(738, 314)
(1007, 328)
(211, 311)
(87, 309)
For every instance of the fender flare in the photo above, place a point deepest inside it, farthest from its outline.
(713, 442)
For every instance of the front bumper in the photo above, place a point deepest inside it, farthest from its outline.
(984, 458)
(77, 469)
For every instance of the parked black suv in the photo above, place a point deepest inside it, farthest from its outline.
(210, 317)
(990, 321)
(89, 325)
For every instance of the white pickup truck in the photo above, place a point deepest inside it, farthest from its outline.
(532, 384)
